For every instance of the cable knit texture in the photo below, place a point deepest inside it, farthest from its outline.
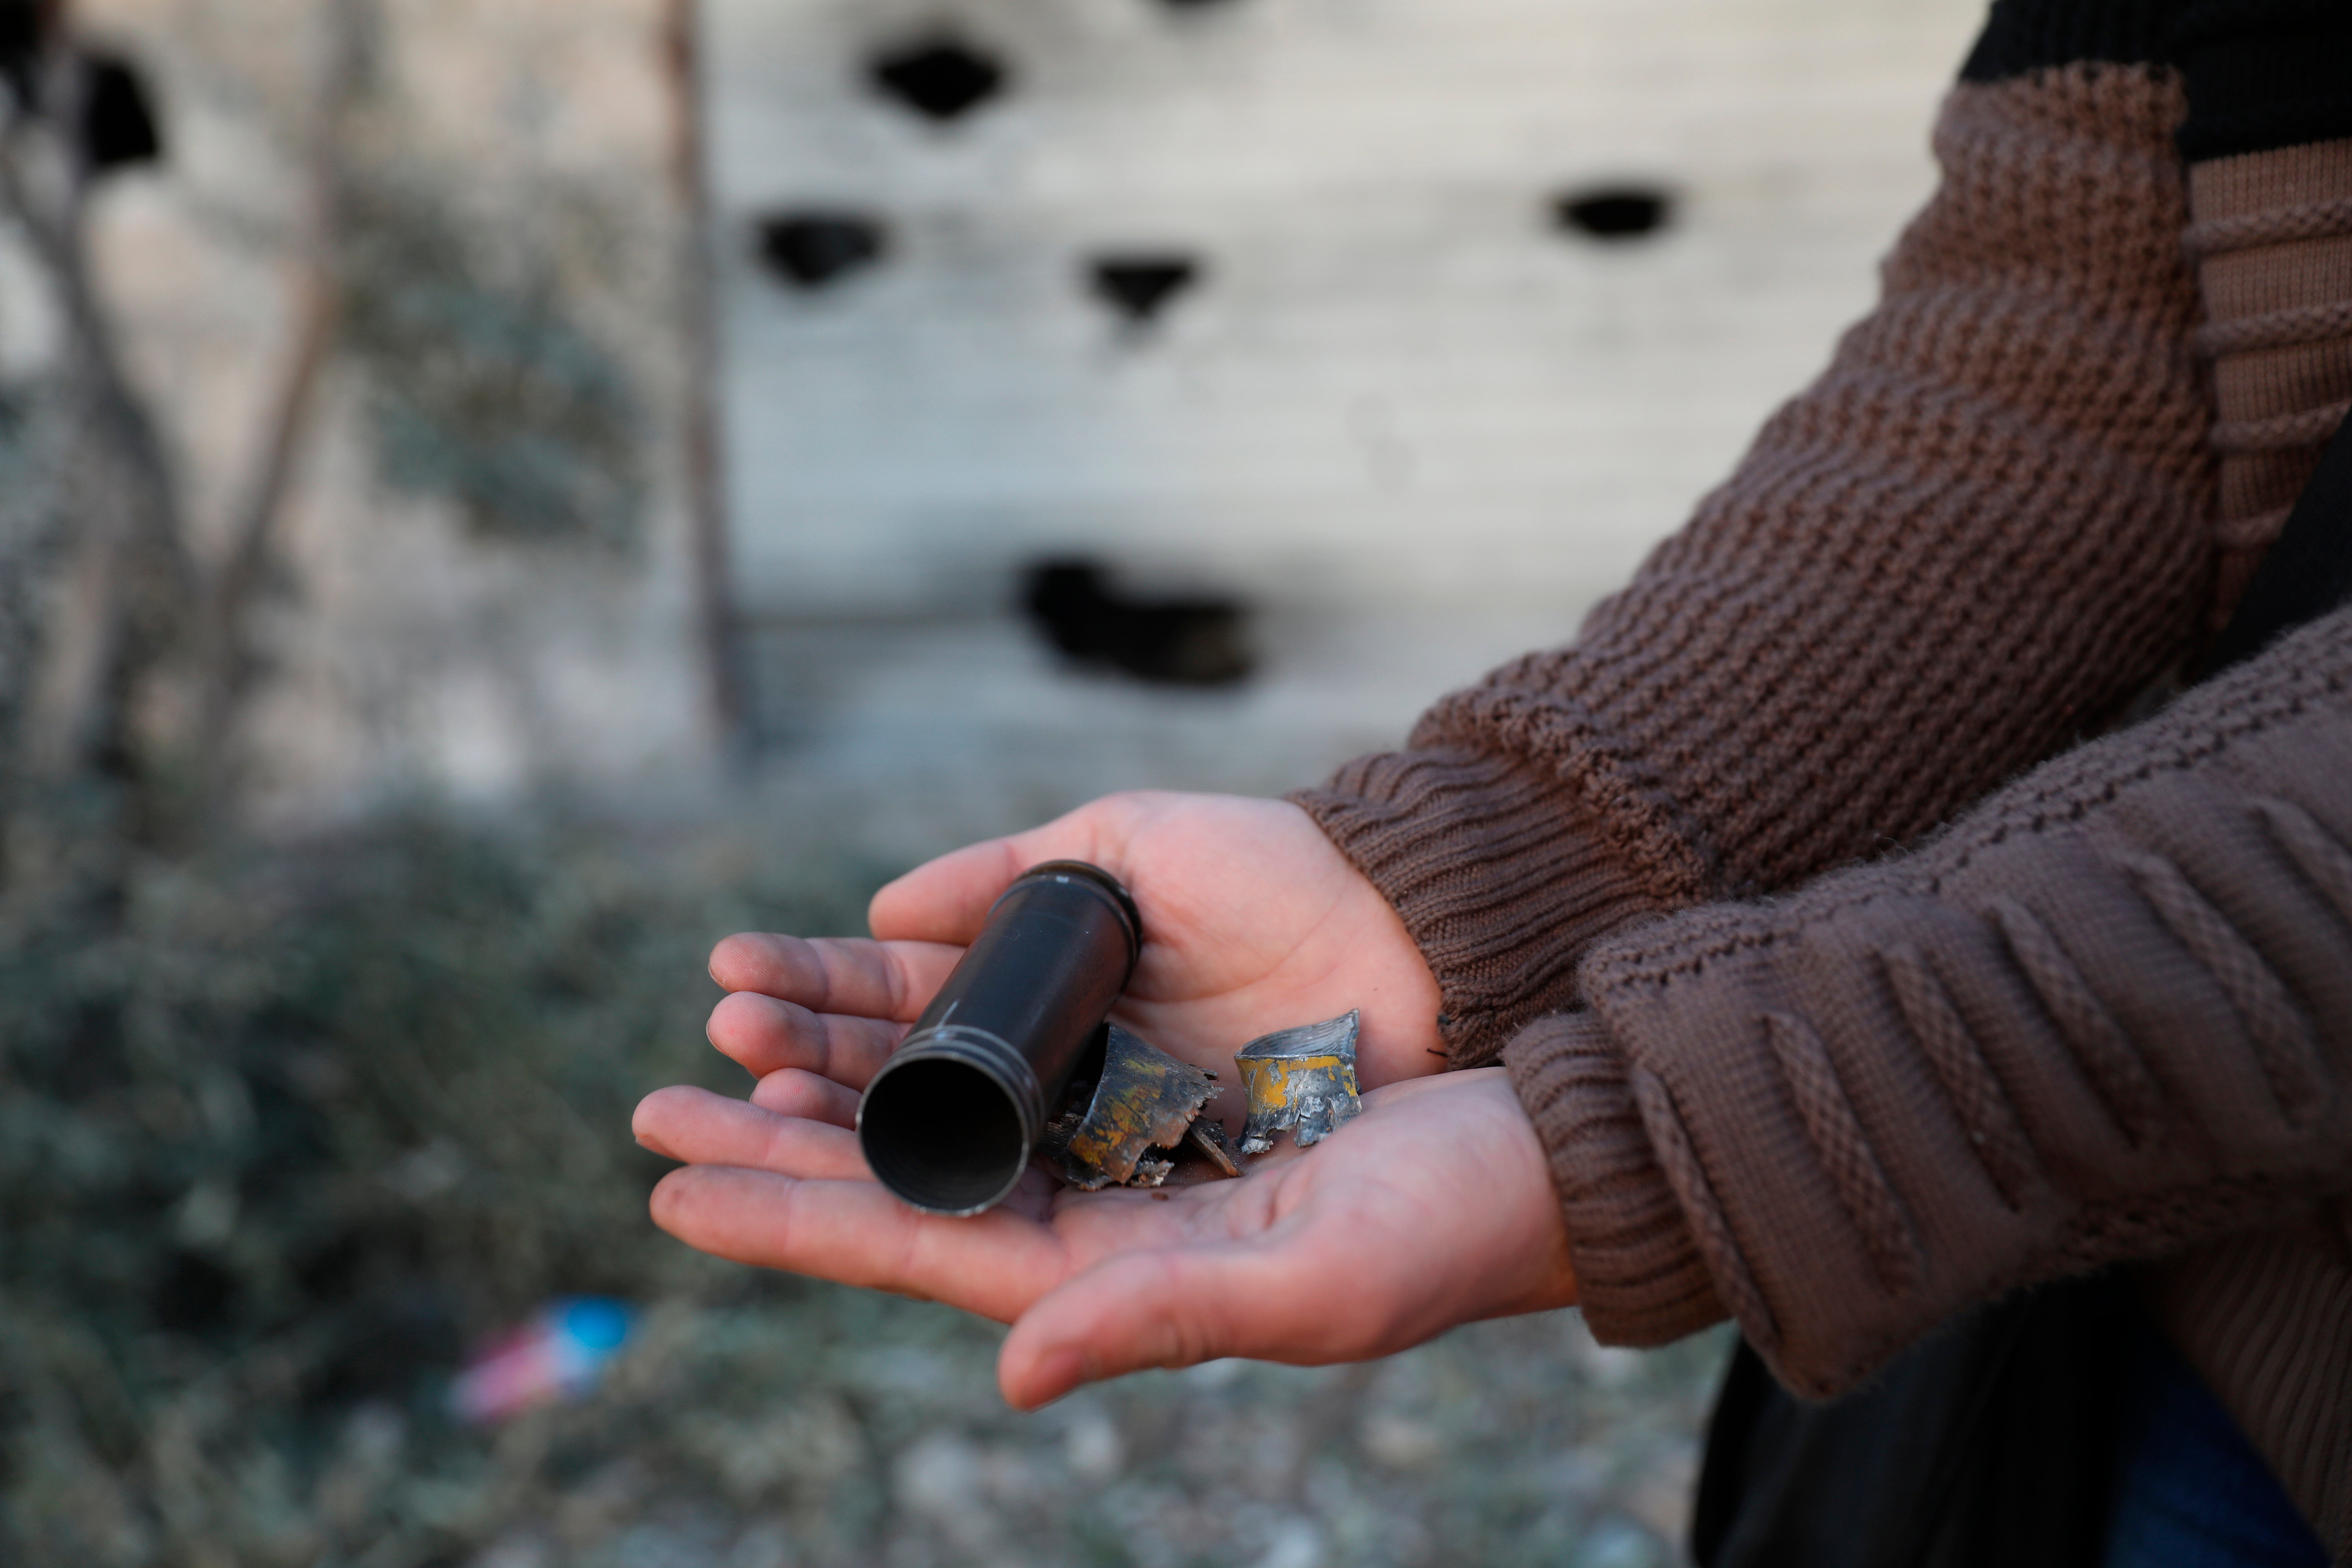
(1976, 535)
(2274, 240)
(2106, 1015)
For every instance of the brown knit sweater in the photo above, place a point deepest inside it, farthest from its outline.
(2106, 1011)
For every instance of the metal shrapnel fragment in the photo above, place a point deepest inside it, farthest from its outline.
(1303, 1078)
(1208, 1140)
(1144, 1100)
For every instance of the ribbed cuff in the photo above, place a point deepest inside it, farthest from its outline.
(1639, 1273)
(1501, 874)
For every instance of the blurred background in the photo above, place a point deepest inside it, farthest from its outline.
(497, 494)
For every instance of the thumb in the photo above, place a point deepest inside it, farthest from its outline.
(946, 899)
(1171, 1308)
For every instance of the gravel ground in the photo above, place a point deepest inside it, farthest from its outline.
(822, 1427)
(811, 1425)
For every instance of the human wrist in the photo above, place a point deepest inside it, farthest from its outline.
(1640, 1274)
(1502, 873)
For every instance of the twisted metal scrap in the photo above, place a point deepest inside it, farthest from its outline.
(1145, 1100)
(1303, 1078)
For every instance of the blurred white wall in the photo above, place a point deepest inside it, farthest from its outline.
(1414, 423)
(1399, 382)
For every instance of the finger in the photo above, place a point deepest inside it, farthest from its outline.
(1168, 1309)
(857, 1234)
(706, 1128)
(792, 1092)
(766, 1036)
(835, 974)
(948, 899)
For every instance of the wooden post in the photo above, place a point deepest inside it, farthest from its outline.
(705, 504)
(224, 648)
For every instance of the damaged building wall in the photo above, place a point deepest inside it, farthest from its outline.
(1327, 302)
(481, 581)
(1326, 307)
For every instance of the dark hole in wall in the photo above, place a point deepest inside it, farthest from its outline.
(118, 115)
(1615, 212)
(939, 76)
(811, 249)
(1138, 286)
(1179, 641)
(20, 42)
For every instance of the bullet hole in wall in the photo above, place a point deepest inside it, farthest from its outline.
(1140, 286)
(812, 248)
(939, 76)
(118, 126)
(20, 42)
(117, 116)
(1195, 641)
(1615, 212)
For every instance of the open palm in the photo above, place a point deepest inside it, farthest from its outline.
(1430, 1209)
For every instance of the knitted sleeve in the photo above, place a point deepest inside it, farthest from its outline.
(1978, 532)
(2107, 1014)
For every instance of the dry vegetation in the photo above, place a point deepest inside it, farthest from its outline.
(283, 1134)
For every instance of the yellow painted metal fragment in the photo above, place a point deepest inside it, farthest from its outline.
(1303, 1078)
(1145, 1100)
